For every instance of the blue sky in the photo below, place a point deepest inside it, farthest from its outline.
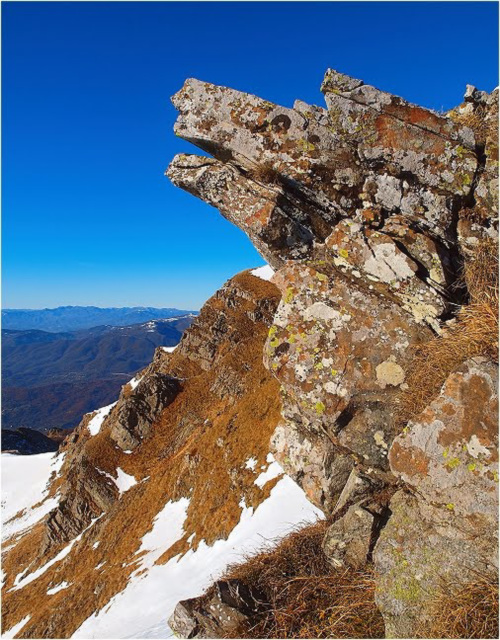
(88, 216)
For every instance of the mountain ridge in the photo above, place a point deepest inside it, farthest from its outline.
(73, 317)
(51, 379)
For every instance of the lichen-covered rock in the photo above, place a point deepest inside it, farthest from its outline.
(287, 176)
(450, 453)
(314, 462)
(446, 532)
(340, 355)
(422, 550)
(479, 218)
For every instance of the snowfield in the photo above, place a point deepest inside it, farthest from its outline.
(264, 273)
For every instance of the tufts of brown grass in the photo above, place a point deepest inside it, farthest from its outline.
(474, 332)
(309, 598)
(265, 173)
(471, 612)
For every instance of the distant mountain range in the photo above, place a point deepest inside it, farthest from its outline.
(75, 318)
(51, 379)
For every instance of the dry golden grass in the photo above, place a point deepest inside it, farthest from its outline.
(473, 333)
(308, 597)
(471, 612)
(265, 173)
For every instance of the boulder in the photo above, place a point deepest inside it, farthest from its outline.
(219, 613)
(348, 540)
(445, 531)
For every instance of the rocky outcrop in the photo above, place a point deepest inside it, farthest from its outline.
(445, 531)
(134, 416)
(367, 210)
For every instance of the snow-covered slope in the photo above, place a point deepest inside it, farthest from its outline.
(143, 608)
(24, 490)
(159, 493)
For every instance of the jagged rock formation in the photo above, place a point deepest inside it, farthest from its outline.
(368, 210)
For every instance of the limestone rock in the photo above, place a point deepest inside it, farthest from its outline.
(450, 453)
(421, 550)
(287, 176)
(340, 355)
(313, 461)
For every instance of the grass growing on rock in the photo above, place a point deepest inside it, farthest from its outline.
(308, 597)
(471, 612)
(474, 332)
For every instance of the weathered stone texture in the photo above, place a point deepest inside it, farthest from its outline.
(445, 534)
(220, 613)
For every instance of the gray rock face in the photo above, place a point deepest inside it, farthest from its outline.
(447, 532)
(85, 495)
(348, 540)
(134, 416)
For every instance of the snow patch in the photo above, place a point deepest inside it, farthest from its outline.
(169, 349)
(12, 633)
(94, 426)
(21, 581)
(24, 485)
(273, 471)
(124, 481)
(59, 587)
(264, 273)
(250, 464)
(134, 382)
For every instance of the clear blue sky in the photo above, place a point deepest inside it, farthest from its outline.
(88, 216)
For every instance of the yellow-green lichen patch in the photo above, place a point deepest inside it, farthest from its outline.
(288, 295)
(453, 463)
(319, 408)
